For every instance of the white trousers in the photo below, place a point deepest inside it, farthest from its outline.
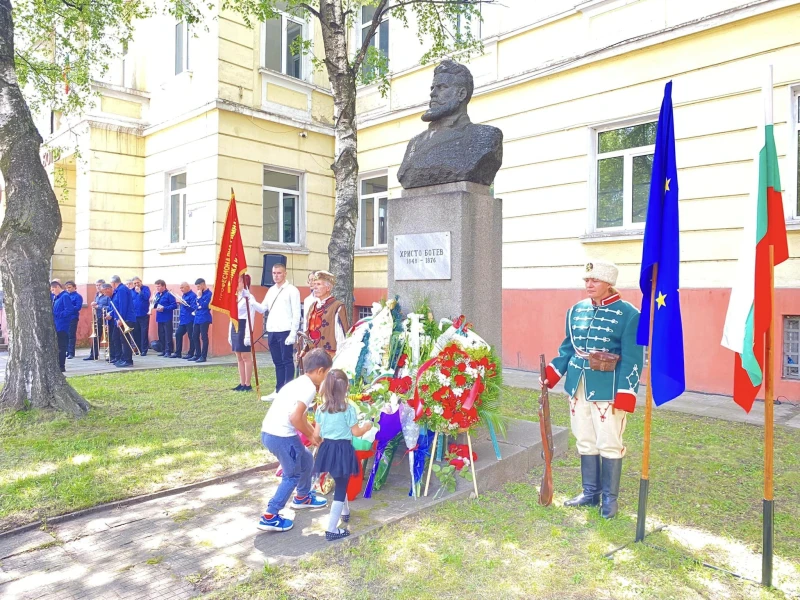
(597, 426)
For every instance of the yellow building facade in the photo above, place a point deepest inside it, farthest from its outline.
(574, 86)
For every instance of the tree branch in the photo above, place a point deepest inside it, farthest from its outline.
(311, 9)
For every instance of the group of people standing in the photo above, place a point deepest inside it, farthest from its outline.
(121, 320)
(320, 323)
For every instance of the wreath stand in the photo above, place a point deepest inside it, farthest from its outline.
(471, 462)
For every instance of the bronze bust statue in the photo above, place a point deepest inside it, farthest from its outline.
(453, 148)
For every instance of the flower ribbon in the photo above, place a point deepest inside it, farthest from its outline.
(416, 402)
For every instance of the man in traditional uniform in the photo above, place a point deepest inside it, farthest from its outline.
(327, 321)
(63, 309)
(202, 321)
(164, 304)
(603, 364)
(100, 301)
(77, 303)
(188, 302)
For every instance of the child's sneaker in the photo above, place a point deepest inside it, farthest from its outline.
(274, 523)
(310, 501)
(337, 535)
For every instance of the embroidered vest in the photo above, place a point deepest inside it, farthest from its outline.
(322, 324)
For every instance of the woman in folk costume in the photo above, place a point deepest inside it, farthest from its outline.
(602, 362)
(327, 323)
(240, 339)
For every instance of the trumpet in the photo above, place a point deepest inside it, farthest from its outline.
(180, 300)
(94, 335)
(126, 331)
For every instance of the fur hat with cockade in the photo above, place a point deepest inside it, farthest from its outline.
(325, 276)
(602, 271)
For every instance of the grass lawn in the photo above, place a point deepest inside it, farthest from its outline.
(147, 431)
(158, 429)
(706, 485)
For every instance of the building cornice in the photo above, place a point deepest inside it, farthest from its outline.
(227, 105)
(745, 11)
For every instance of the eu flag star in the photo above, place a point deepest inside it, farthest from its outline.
(666, 187)
(661, 300)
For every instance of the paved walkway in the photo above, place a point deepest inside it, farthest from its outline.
(693, 403)
(187, 544)
(77, 367)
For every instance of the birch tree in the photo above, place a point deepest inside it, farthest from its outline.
(445, 27)
(50, 51)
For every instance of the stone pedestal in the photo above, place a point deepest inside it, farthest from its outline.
(474, 221)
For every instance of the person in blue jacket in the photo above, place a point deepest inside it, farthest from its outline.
(164, 303)
(202, 321)
(62, 315)
(122, 314)
(77, 302)
(141, 306)
(188, 302)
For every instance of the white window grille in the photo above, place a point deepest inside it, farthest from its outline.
(623, 166)
(181, 47)
(280, 207)
(373, 208)
(280, 53)
(791, 347)
(380, 40)
(177, 208)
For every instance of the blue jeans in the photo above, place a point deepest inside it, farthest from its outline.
(282, 357)
(296, 461)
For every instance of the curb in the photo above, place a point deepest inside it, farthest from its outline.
(134, 500)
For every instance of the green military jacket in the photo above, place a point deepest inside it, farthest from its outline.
(606, 327)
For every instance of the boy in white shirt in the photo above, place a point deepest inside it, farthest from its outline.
(285, 418)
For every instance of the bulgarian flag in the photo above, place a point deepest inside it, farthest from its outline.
(750, 309)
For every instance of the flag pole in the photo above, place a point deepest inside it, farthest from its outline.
(644, 482)
(769, 406)
(252, 346)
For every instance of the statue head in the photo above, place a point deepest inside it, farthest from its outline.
(451, 91)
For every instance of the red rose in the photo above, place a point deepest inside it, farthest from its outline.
(402, 360)
(460, 380)
(462, 367)
(400, 386)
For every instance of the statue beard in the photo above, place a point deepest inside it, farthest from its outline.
(439, 111)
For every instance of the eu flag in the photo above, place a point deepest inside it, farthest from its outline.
(661, 247)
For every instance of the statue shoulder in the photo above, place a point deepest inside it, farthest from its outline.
(495, 134)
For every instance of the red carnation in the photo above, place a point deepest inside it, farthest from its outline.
(462, 367)
(446, 372)
(460, 380)
(427, 412)
(402, 360)
(400, 386)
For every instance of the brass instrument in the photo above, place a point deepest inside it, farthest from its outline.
(180, 300)
(105, 340)
(94, 334)
(126, 330)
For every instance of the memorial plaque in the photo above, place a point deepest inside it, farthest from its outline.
(422, 256)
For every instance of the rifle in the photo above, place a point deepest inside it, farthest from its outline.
(546, 429)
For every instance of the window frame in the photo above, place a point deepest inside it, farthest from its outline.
(376, 218)
(299, 210)
(791, 193)
(359, 34)
(304, 66)
(477, 23)
(628, 226)
(184, 193)
(784, 354)
(185, 62)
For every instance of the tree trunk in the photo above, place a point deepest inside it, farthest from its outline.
(27, 238)
(345, 166)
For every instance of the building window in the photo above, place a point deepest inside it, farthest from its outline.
(380, 40)
(795, 211)
(177, 208)
(181, 47)
(466, 26)
(279, 35)
(372, 212)
(281, 201)
(791, 347)
(176, 318)
(364, 312)
(125, 64)
(623, 167)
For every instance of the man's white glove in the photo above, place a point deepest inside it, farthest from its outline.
(245, 293)
(291, 338)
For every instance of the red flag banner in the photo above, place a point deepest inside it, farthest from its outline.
(230, 266)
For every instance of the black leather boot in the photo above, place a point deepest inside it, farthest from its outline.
(590, 477)
(609, 478)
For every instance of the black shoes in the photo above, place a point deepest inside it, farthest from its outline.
(590, 478)
(200, 360)
(122, 364)
(90, 357)
(176, 355)
(609, 478)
